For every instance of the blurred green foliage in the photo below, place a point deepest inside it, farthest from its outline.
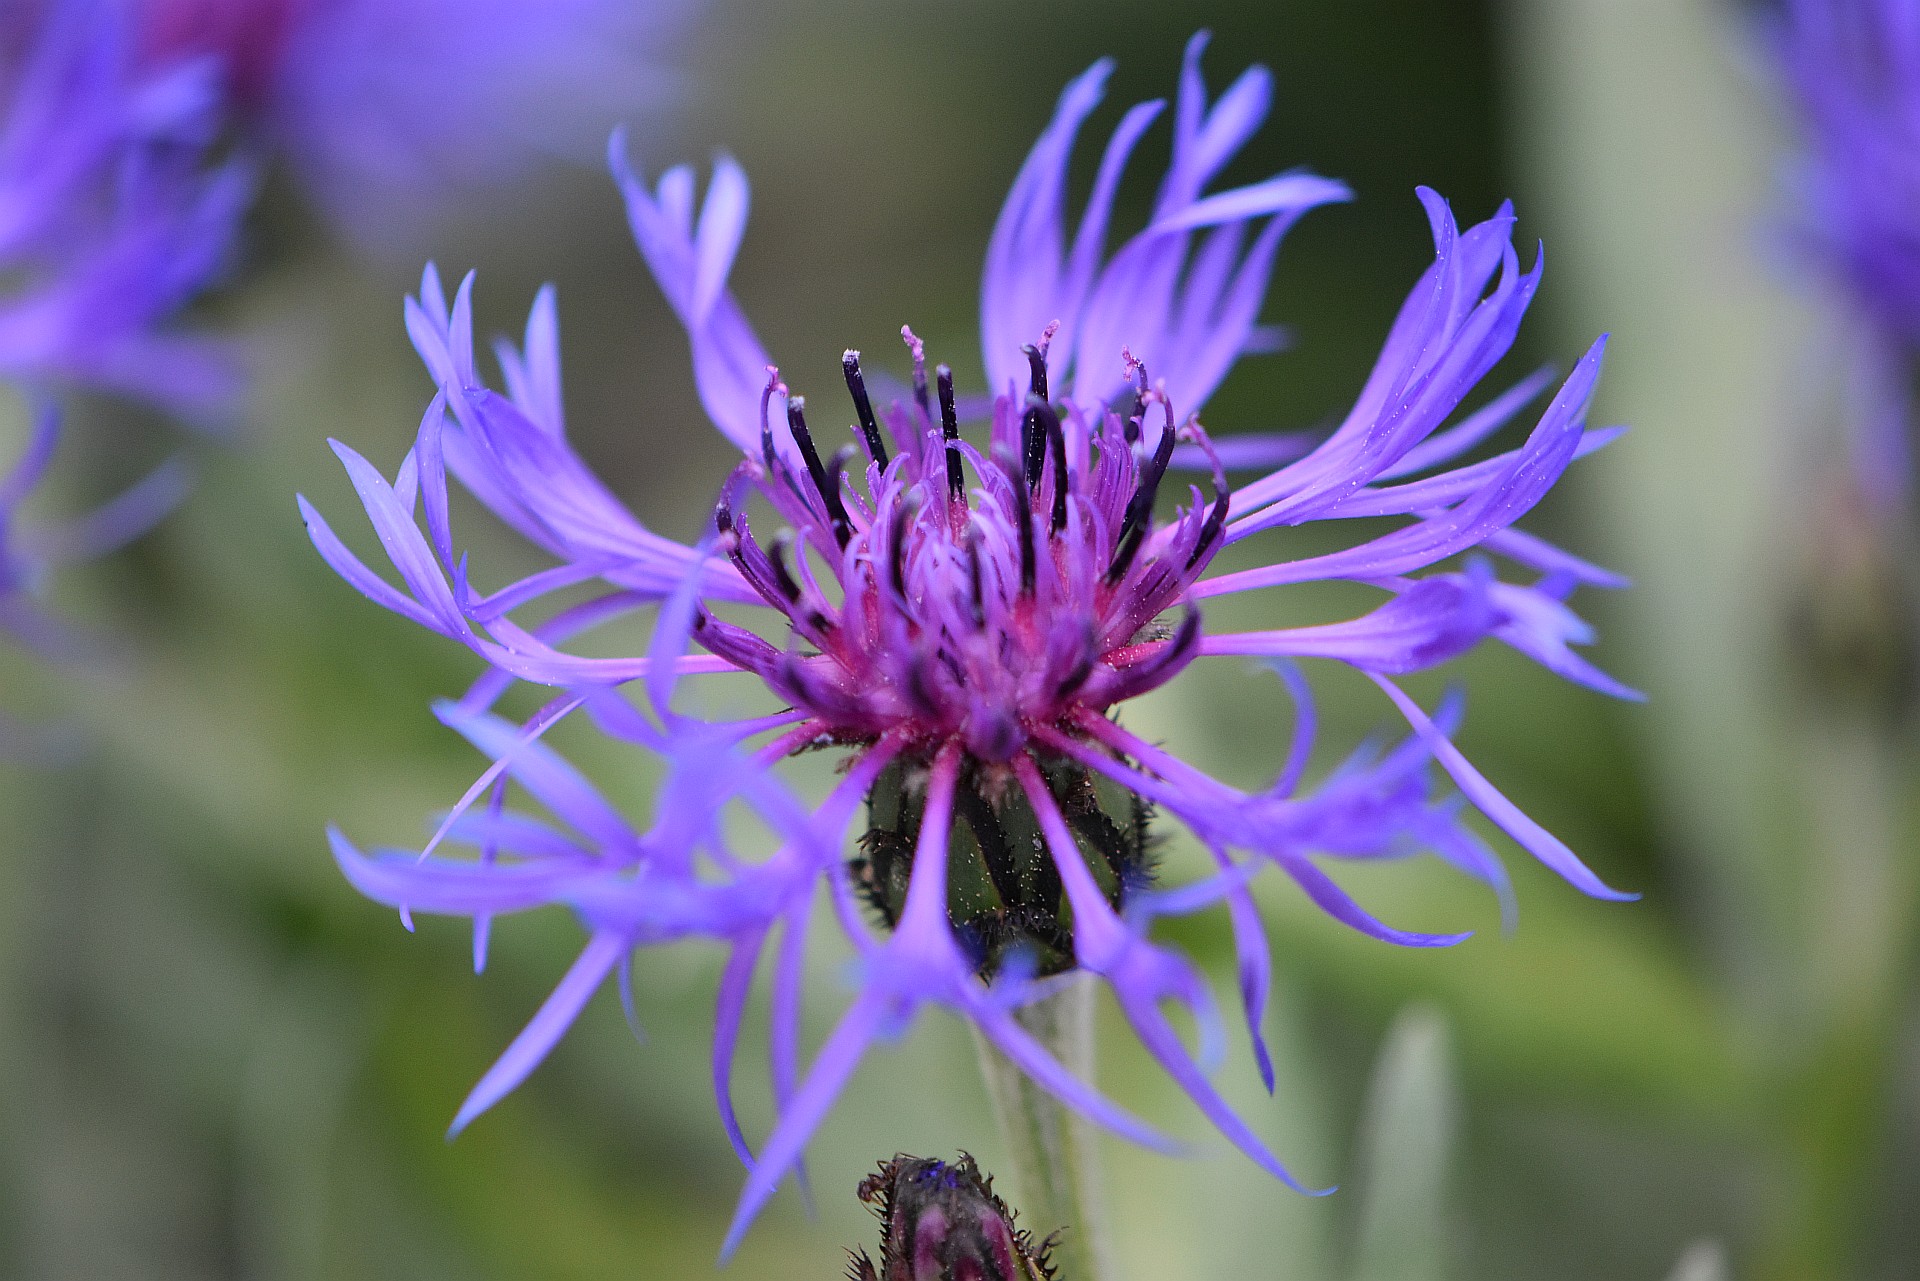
(217, 1061)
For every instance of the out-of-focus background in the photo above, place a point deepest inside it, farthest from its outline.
(217, 1060)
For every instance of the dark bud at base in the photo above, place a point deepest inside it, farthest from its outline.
(942, 1222)
(1004, 894)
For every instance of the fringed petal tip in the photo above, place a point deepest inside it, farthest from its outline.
(365, 875)
(344, 854)
(535, 1041)
(1503, 813)
(1263, 1061)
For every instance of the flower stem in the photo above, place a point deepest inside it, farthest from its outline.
(1055, 1155)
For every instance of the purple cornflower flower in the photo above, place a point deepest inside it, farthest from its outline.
(391, 112)
(111, 220)
(963, 618)
(1852, 68)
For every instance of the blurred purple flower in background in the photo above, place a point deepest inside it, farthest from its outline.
(130, 136)
(962, 615)
(1852, 68)
(117, 208)
(392, 113)
(111, 216)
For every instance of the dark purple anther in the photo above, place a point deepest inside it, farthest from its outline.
(1139, 517)
(863, 407)
(789, 587)
(782, 576)
(1051, 433)
(836, 505)
(897, 549)
(950, 432)
(1032, 439)
(767, 393)
(1211, 531)
(1023, 522)
(1137, 416)
(828, 487)
(976, 594)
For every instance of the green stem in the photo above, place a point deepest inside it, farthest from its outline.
(1055, 1154)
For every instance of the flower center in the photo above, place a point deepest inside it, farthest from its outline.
(934, 612)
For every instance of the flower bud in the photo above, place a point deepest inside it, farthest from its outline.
(942, 1222)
